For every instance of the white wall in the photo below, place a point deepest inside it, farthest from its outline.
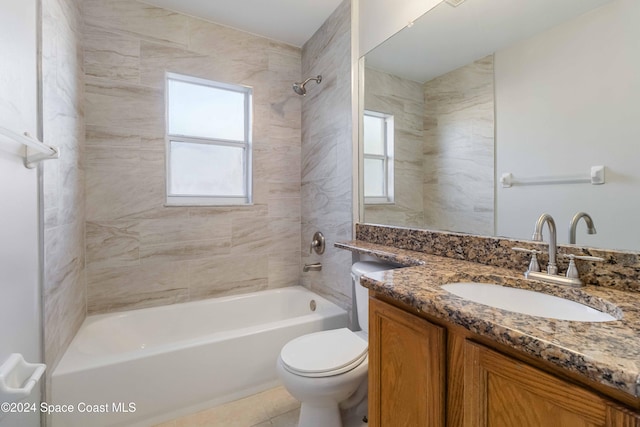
(380, 19)
(19, 294)
(567, 100)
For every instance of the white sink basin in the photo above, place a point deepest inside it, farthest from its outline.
(527, 302)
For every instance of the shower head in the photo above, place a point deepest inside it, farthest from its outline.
(299, 87)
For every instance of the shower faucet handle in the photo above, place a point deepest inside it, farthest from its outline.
(317, 243)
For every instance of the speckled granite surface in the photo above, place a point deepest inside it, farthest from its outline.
(608, 352)
(620, 270)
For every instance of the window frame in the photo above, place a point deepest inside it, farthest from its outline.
(387, 158)
(246, 145)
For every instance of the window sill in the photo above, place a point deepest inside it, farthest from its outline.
(206, 202)
(379, 202)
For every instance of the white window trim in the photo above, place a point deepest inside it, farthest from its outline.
(208, 200)
(387, 158)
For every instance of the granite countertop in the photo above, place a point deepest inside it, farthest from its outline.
(608, 352)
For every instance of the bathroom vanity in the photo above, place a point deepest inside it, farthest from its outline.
(431, 373)
(436, 359)
(460, 133)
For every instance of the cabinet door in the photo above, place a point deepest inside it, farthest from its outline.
(406, 369)
(501, 391)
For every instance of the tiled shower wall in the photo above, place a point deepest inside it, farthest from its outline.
(404, 99)
(63, 179)
(139, 252)
(459, 136)
(327, 155)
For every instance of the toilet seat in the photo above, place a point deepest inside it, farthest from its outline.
(324, 354)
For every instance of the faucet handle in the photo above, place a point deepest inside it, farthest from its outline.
(531, 251)
(572, 270)
(533, 265)
(317, 243)
(583, 257)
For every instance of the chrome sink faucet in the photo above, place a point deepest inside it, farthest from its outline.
(591, 229)
(571, 278)
(552, 267)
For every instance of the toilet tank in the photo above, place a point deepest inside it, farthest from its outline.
(362, 293)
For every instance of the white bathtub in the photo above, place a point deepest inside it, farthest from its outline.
(173, 360)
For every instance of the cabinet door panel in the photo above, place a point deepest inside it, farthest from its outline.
(501, 391)
(406, 369)
(511, 405)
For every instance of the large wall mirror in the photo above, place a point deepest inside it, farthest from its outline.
(536, 93)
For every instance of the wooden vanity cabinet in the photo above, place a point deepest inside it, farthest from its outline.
(423, 374)
(406, 369)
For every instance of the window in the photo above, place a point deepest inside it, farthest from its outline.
(378, 157)
(208, 142)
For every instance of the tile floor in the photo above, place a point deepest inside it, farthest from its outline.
(271, 408)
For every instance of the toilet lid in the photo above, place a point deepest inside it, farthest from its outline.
(324, 353)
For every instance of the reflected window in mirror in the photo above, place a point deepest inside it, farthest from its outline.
(378, 157)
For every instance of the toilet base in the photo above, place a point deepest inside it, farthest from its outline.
(353, 417)
(327, 415)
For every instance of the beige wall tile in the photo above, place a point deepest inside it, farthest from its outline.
(217, 40)
(137, 19)
(104, 157)
(284, 269)
(229, 212)
(112, 244)
(283, 135)
(125, 181)
(126, 288)
(156, 59)
(277, 162)
(111, 137)
(319, 157)
(116, 105)
(64, 298)
(287, 207)
(168, 230)
(178, 251)
(282, 190)
(459, 136)
(284, 235)
(111, 55)
(112, 196)
(285, 62)
(227, 275)
(225, 54)
(64, 312)
(250, 235)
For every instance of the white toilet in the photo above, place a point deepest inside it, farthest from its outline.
(327, 370)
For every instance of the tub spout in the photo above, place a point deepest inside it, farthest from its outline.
(312, 267)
